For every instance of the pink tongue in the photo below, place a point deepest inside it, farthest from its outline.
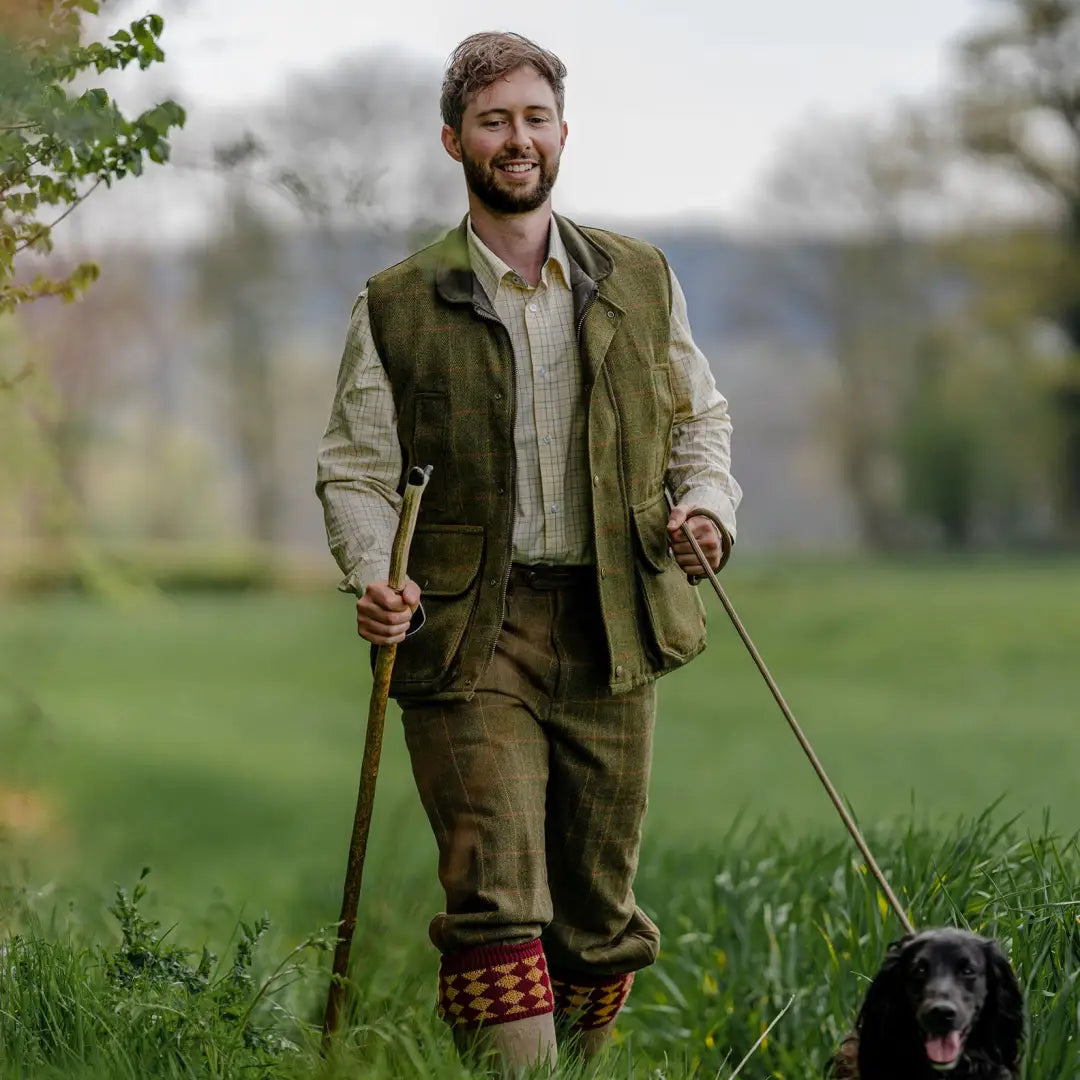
(942, 1051)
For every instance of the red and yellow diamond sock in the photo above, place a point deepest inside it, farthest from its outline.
(590, 1001)
(493, 984)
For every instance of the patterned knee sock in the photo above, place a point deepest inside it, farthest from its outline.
(590, 1001)
(493, 984)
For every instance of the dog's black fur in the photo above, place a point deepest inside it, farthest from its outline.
(934, 983)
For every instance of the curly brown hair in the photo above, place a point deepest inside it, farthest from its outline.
(482, 58)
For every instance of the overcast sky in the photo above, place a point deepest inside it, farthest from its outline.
(675, 107)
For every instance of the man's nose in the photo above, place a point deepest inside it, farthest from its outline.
(520, 134)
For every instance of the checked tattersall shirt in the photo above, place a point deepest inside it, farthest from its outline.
(359, 461)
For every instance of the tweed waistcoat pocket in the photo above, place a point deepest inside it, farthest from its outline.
(444, 561)
(676, 614)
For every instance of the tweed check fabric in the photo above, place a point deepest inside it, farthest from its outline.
(359, 458)
(590, 1001)
(494, 984)
(536, 790)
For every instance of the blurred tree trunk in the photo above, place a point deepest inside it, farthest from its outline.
(239, 279)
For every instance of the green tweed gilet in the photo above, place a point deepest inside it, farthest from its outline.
(450, 366)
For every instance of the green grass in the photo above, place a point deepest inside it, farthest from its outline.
(218, 740)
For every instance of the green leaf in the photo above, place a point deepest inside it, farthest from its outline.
(120, 35)
(141, 32)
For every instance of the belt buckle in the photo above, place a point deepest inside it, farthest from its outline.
(547, 578)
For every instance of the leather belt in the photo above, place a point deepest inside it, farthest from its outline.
(546, 577)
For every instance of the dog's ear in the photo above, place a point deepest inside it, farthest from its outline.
(1001, 1022)
(884, 1013)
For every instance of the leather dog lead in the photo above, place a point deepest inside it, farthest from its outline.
(369, 769)
(804, 742)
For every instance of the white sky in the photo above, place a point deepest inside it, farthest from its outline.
(675, 107)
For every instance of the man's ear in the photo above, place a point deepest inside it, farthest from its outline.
(562, 141)
(451, 142)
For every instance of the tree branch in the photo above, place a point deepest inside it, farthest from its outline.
(48, 228)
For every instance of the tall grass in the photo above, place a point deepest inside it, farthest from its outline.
(760, 923)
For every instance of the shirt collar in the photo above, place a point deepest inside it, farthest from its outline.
(490, 270)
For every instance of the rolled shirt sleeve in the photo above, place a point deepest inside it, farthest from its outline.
(359, 462)
(699, 470)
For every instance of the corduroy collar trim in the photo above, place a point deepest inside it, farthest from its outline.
(456, 283)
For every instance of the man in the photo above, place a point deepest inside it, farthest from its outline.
(548, 374)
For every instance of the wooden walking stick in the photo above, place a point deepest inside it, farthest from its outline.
(369, 770)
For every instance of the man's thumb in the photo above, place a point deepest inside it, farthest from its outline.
(676, 518)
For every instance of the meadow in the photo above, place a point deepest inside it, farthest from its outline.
(216, 740)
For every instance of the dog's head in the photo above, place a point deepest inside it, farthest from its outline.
(942, 999)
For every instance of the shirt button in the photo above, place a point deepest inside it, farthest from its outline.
(603, 572)
(493, 582)
(542, 372)
(498, 396)
(532, 307)
(596, 480)
(547, 439)
(618, 671)
(611, 314)
(554, 508)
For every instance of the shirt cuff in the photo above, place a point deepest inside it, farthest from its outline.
(363, 574)
(716, 501)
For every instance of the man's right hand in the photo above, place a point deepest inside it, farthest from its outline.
(383, 614)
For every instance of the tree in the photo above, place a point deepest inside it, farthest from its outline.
(356, 145)
(58, 144)
(841, 197)
(57, 147)
(1019, 107)
(240, 281)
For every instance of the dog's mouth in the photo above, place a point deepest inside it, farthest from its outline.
(944, 1051)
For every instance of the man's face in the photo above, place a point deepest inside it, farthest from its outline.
(510, 142)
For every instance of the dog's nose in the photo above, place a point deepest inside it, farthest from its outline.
(941, 1016)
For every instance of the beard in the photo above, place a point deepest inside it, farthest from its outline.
(485, 183)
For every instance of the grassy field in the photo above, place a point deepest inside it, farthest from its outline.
(217, 741)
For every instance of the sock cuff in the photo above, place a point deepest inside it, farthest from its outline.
(493, 984)
(590, 1001)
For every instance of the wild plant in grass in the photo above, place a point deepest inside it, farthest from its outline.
(146, 1008)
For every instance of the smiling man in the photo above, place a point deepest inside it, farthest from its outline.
(548, 374)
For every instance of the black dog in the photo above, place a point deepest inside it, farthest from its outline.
(944, 1002)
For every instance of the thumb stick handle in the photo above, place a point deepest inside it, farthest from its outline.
(410, 507)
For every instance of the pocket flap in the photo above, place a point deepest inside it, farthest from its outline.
(650, 527)
(445, 559)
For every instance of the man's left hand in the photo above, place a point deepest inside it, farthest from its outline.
(703, 531)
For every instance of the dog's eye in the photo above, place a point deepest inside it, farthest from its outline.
(920, 969)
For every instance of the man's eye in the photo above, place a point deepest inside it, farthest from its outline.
(538, 119)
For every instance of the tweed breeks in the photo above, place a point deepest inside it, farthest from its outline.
(536, 790)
